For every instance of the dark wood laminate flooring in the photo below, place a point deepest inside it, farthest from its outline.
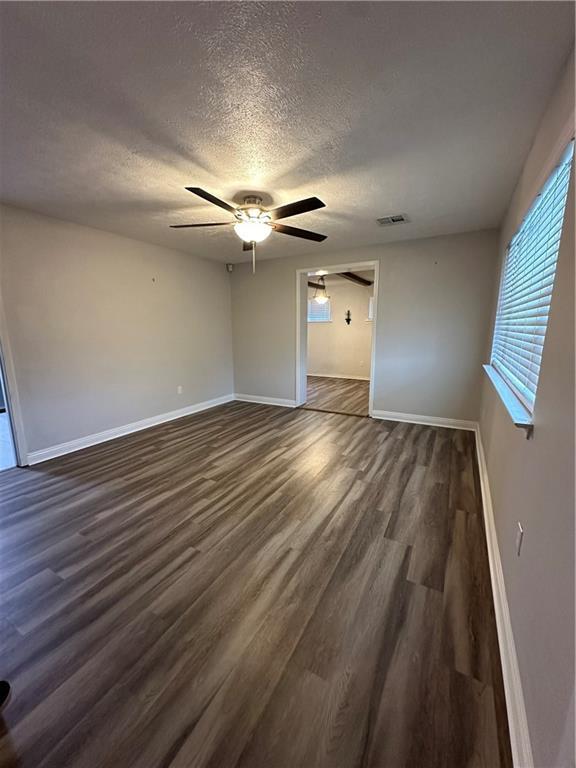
(337, 395)
(255, 587)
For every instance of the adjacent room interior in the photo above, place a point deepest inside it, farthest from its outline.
(339, 341)
(287, 337)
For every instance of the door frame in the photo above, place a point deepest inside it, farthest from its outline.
(302, 324)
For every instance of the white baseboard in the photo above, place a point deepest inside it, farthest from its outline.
(339, 376)
(35, 457)
(266, 400)
(517, 720)
(431, 421)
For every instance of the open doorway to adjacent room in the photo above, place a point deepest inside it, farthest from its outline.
(338, 344)
(7, 447)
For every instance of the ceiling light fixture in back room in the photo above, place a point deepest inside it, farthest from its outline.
(253, 224)
(320, 295)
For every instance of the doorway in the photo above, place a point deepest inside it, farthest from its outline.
(7, 446)
(335, 344)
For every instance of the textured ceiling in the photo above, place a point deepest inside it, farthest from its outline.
(110, 109)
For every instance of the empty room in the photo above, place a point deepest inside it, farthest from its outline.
(287, 346)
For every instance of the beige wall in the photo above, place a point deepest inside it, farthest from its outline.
(336, 348)
(434, 306)
(103, 329)
(533, 481)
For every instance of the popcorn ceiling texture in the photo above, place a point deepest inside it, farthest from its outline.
(110, 109)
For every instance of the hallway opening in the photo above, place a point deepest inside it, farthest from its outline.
(340, 312)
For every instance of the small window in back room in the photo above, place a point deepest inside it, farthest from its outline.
(526, 287)
(319, 313)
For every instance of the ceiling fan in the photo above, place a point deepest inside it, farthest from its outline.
(253, 223)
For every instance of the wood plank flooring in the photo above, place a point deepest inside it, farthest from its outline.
(256, 587)
(337, 395)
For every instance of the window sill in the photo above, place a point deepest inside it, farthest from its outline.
(519, 414)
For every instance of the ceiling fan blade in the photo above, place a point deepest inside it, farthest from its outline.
(211, 199)
(246, 246)
(293, 209)
(212, 224)
(295, 232)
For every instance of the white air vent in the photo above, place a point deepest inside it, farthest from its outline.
(389, 221)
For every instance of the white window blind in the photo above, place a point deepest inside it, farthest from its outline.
(526, 287)
(319, 313)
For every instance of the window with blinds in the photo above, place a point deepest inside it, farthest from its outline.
(319, 313)
(526, 287)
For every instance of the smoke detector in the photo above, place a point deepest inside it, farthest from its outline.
(389, 221)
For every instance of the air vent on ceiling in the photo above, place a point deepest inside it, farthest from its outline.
(389, 221)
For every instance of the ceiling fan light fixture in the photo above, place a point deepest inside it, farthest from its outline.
(252, 231)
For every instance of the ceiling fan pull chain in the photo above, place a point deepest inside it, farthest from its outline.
(253, 257)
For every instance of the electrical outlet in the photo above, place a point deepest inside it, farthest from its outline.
(179, 389)
(519, 538)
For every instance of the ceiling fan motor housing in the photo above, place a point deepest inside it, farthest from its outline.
(252, 201)
(252, 208)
